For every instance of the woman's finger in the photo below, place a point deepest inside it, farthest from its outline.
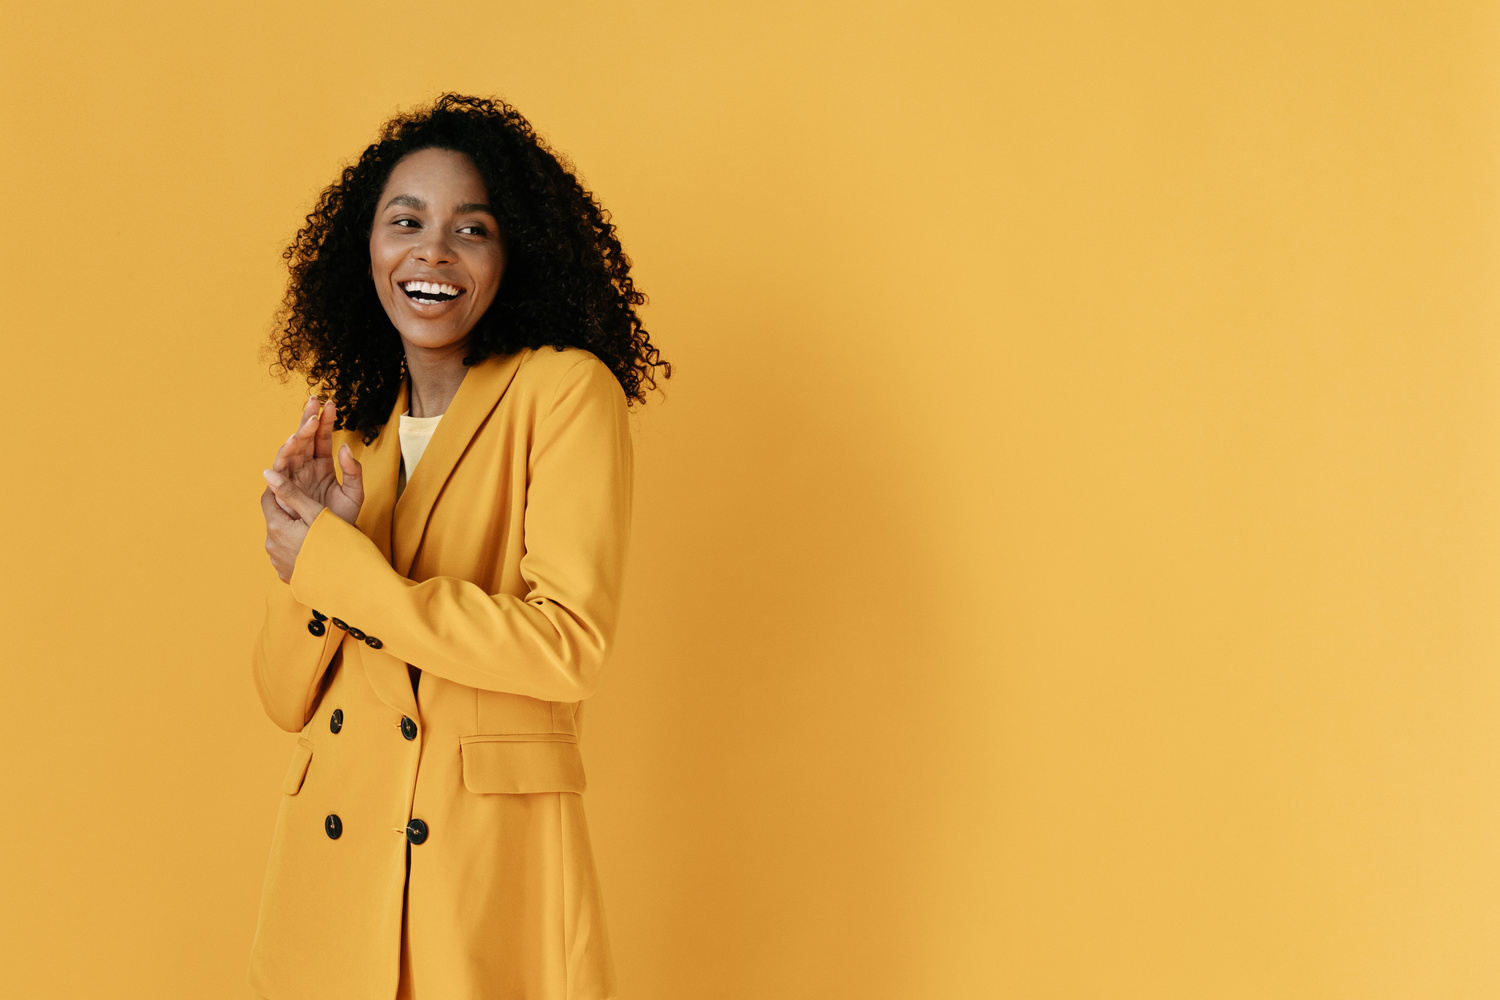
(308, 409)
(324, 441)
(287, 514)
(308, 430)
(298, 449)
(275, 513)
(354, 476)
(287, 492)
(284, 455)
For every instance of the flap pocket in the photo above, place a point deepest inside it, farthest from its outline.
(292, 783)
(515, 764)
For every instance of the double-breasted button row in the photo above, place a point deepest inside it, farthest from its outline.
(316, 627)
(416, 830)
(408, 725)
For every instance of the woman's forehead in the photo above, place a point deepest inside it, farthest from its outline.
(431, 171)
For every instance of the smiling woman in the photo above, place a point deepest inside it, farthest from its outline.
(465, 304)
(435, 251)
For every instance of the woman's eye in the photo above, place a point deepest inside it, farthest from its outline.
(478, 230)
(404, 223)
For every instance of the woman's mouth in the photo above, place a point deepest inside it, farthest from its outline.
(430, 293)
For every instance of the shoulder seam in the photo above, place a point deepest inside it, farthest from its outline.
(552, 403)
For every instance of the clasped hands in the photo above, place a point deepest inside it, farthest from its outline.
(301, 483)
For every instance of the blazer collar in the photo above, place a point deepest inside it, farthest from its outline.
(477, 396)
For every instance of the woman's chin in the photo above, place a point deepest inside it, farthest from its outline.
(432, 337)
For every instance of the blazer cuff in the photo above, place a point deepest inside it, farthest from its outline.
(282, 603)
(334, 555)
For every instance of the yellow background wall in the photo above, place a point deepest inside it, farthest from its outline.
(1067, 562)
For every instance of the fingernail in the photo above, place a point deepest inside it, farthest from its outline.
(273, 478)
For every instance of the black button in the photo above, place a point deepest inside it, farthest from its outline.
(316, 627)
(334, 826)
(416, 831)
(357, 634)
(373, 642)
(409, 730)
(336, 720)
(339, 624)
(320, 616)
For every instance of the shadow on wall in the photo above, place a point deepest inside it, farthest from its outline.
(762, 749)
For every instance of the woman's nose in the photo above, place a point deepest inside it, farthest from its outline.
(434, 250)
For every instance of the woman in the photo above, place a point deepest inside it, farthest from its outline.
(444, 610)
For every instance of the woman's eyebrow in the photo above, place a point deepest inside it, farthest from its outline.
(412, 201)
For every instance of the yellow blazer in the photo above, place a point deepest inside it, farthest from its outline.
(497, 575)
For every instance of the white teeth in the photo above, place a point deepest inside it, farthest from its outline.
(431, 287)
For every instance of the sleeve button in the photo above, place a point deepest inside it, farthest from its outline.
(316, 627)
(373, 642)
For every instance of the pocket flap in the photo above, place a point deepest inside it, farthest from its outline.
(521, 763)
(292, 783)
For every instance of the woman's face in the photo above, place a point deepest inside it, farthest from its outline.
(435, 251)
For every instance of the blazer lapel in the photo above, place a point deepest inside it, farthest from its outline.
(380, 463)
(480, 391)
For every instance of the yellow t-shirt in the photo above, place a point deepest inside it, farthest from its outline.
(415, 433)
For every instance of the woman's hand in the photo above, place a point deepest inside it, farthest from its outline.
(302, 483)
(284, 535)
(308, 409)
(306, 462)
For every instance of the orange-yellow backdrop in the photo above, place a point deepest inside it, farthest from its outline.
(1066, 563)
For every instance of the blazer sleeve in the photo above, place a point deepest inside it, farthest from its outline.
(288, 661)
(549, 644)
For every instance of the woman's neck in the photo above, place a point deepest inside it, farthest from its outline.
(435, 377)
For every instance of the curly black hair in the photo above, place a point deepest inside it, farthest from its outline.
(566, 283)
